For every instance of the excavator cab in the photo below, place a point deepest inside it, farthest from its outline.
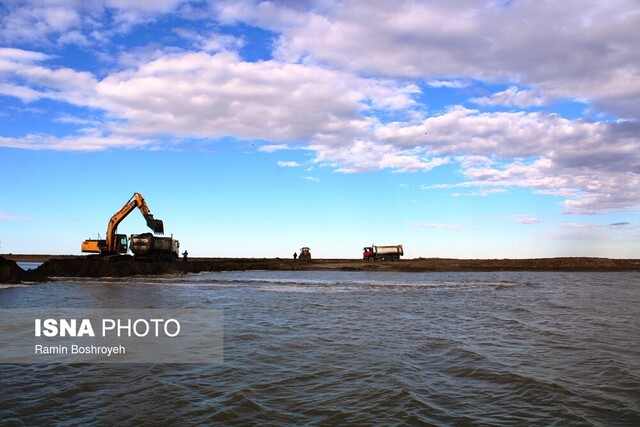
(100, 246)
(122, 243)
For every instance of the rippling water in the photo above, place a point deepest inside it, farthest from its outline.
(356, 348)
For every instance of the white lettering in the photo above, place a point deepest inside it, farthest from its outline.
(127, 327)
(51, 327)
(112, 325)
(86, 328)
(146, 331)
(140, 327)
(166, 328)
(53, 349)
(63, 328)
(156, 322)
(67, 327)
(98, 349)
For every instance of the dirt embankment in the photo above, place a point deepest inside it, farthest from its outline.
(74, 266)
(10, 272)
(530, 264)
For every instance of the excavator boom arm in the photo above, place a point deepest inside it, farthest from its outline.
(136, 201)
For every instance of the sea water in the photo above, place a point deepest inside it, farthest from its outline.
(365, 348)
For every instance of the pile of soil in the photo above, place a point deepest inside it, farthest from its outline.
(238, 264)
(96, 267)
(10, 272)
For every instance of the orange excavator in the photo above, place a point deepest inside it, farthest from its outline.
(117, 243)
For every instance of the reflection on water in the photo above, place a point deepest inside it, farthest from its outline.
(357, 348)
(29, 265)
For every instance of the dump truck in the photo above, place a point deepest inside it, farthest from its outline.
(148, 247)
(382, 253)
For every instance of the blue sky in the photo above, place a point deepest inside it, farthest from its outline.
(458, 129)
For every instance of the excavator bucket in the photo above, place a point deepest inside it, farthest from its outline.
(155, 224)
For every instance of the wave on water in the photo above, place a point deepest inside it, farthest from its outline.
(11, 285)
(317, 282)
(359, 285)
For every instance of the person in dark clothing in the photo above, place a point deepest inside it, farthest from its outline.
(185, 254)
(295, 256)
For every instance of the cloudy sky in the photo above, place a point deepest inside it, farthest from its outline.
(484, 129)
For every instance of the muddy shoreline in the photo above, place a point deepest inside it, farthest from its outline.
(55, 266)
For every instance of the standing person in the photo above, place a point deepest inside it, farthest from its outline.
(295, 256)
(185, 254)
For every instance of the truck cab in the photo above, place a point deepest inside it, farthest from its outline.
(368, 253)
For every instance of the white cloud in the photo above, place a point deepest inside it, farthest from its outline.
(526, 219)
(512, 97)
(25, 79)
(361, 156)
(67, 118)
(199, 95)
(288, 164)
(569, 49)
(89, 142)
(452, 84)
(77, 21)
(144, 5)
(32, 21)
(272, 148)
(596, 166)
(483, 192)
(210, 96)
(624, 225)
(579, 225)
(211, 42)
(314, 96)
(22, 92)
(575, 49)
(10, 55)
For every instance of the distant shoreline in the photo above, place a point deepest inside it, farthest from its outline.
(417, 264)
(36, 257)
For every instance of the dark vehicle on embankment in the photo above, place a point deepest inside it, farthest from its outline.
(148, 247)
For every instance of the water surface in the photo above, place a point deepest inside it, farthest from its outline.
(507, 348)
